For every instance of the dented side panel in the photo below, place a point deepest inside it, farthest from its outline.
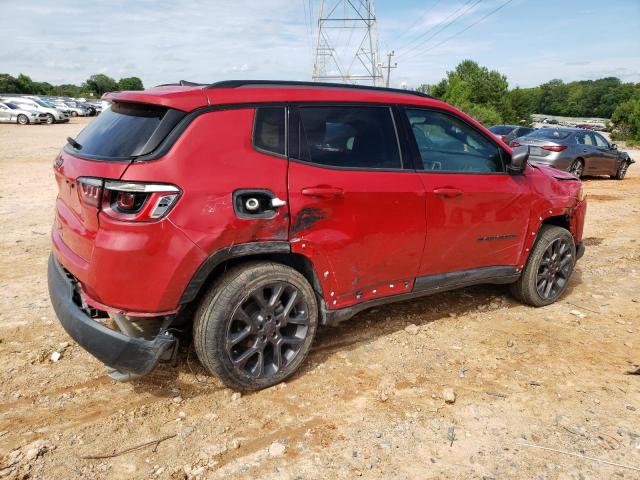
(364, 242)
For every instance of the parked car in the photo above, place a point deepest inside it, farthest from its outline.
(53, 115)
(579, 151)
(11, 113)
(260, 210)
(510, 132)
(90, 109)
(73, 109)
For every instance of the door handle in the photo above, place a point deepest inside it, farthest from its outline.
(448, 192)
(322, 192)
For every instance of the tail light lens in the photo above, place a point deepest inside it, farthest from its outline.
(555, 148)
(128, 201)
(514, 144)
(90, 191)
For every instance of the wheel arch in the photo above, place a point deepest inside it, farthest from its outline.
(221, 260)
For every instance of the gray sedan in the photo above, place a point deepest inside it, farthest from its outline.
(581, 152)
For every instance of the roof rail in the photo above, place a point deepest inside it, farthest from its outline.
(290, 83)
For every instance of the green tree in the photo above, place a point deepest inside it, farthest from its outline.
(130, 83)
(625, 120)
(8, 84)
(100, 84)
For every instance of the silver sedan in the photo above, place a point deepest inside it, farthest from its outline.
(12, 113)
(581, 152)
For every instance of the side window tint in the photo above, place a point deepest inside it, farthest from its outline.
(584, 139)
(269, 129)
(349, 137)
(600, 141)
(448, 144)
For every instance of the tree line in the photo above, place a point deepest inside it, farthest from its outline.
(95, 86)
(482, 93)
(485, 95)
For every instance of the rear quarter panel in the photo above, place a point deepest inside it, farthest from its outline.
(211, 159)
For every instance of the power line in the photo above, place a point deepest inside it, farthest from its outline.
(417, 39)
(461, 31)
(466, 8)
(418, 20)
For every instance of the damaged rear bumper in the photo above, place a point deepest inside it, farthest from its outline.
(128, 356)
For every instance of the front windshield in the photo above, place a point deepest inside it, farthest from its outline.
(42, 103)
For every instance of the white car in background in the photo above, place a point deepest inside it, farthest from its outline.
(11, 113)
(53, 115)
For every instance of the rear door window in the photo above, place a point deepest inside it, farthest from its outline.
(126, 130)
(269, 130)
(354, 137)
(448, 144)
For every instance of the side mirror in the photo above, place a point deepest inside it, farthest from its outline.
(519, 159)
(614, 146)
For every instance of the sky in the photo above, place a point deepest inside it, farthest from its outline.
(163, 41)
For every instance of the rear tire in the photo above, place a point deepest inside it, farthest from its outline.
(546, 275)
(23, 120)
(622, 171)
(255, 325)
(50, 119)
(577, 167)
(74, 114)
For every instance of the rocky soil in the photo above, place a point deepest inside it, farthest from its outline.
(466, 384)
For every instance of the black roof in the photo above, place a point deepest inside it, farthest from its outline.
(292, 83)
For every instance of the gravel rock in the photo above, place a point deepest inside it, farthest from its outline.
(449, 395)
(411, 329)
(177, 399)
(55, 356)
(236, 396)
(277, 449)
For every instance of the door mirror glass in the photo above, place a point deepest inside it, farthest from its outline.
(519, 159)
(614, 146)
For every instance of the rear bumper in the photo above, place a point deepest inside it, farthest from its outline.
(120, 352)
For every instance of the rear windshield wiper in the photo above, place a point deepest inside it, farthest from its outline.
(73, 143)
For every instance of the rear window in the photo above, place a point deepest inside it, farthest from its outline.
(501, 129)
(549, 134)
(126, 130)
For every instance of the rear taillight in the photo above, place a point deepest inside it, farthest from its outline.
(90, 190)
(128, 201)
(555, 148)
(514, 144)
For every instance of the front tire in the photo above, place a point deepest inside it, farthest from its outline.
(577, 168)
(622, 171)
(50, 119)
(546, 275)
(74, 114)
(23, 120)
(255, 325)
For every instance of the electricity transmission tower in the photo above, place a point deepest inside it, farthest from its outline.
(337, 56)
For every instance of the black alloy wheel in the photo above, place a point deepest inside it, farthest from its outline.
(577, 168)
(267, 330)
(256, 324)
(554, 269)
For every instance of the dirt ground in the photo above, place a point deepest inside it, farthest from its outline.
(368, 401)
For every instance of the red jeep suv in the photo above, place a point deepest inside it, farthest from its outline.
(258, 210)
